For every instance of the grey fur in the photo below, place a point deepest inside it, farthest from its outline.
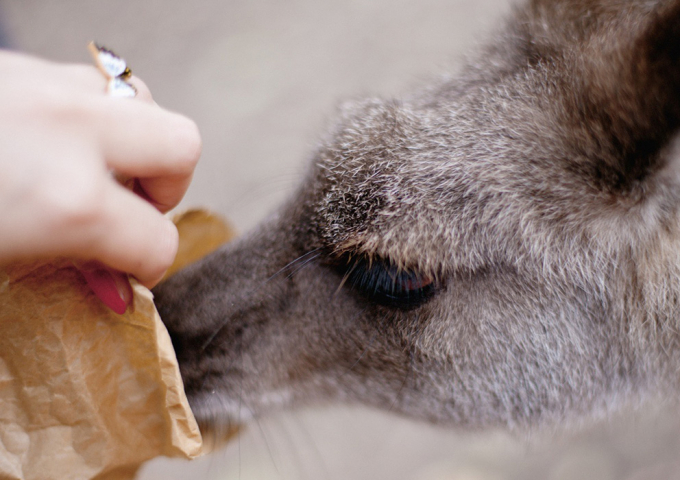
(538, 188)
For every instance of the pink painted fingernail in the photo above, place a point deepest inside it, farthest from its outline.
(111, 287)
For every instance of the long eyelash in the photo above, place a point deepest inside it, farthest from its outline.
(345, 277)
(387, 285)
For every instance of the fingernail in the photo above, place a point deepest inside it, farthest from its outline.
(111, 287)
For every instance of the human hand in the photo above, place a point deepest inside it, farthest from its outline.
(61, 137)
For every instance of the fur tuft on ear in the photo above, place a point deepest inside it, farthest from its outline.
(622, 92)
(657, 63)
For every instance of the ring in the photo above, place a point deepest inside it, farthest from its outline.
(114, 69)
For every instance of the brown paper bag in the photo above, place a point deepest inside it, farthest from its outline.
(86, 393)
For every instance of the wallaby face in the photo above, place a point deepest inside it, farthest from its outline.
(501, 248)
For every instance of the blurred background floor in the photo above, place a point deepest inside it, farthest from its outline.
(260, 78)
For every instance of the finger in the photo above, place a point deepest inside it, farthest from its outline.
(141, 140)
(130, 235)
(110, 286)
(164, 193)
(157, 147)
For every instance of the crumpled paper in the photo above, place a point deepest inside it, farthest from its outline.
(86, 393)
(200, 232)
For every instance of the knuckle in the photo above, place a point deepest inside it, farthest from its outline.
(58, 99)
(61, 107)
(77, 204)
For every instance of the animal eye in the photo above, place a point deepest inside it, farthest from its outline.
(387, 285)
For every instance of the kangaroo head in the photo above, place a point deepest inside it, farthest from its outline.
(501, 247)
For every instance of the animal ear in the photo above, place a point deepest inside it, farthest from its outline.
(625, 91)
(655, 65)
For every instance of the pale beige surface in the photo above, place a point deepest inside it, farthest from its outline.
(260, 78)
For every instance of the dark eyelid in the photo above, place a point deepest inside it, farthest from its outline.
(383, 283)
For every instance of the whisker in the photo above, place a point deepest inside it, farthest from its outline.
(303, 265)
(267, 187)
(301, 257)
(218, 430)
(403, 383)
(344, 279)
(264, 437)
(356, 362)
(304, 258)
(401, 388)
(240, 399)
(366, 349)
(293, 453)
(309, 440)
